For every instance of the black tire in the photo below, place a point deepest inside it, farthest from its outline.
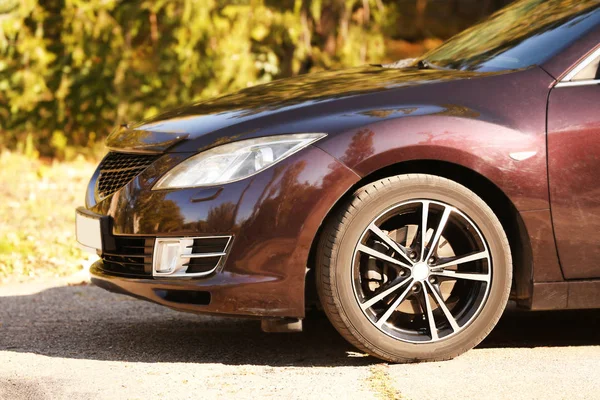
(336, 263)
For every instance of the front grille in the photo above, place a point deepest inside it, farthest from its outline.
(117, 169)
(132, 257)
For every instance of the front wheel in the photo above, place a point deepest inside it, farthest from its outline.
(414, 268)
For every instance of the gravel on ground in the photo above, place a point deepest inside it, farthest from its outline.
(64, 341)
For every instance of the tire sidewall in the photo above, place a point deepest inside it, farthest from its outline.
(396, 193)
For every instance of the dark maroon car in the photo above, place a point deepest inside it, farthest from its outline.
(415, 199)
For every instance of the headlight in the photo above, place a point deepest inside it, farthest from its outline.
(234, 161)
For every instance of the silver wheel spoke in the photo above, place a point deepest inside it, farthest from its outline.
(463, 275)
(471, 257)
(425, 213)
(438, 232)
(432, 327)
(369, 303)
(393, 307)
(381, 256)
(381, 234)
(442, 305)
(431, 244)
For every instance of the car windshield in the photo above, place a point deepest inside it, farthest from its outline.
(526, 33)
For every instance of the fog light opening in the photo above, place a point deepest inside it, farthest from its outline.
(170, 256)
(167, 256)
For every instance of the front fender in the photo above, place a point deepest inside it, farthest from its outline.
(512, 159)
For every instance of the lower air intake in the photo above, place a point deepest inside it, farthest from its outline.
(132, 256)
(189, 257)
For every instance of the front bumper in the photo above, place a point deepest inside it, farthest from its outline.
(221, 293)
(273, 216)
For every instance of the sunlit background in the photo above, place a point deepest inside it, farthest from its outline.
(70, 70)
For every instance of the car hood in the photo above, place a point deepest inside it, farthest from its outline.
(253, 109)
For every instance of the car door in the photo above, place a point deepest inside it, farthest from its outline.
(574, 168)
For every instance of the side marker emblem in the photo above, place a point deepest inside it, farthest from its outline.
(522, 155)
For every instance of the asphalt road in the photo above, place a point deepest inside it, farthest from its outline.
(79, 342)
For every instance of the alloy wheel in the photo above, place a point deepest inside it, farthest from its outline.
(421, 271)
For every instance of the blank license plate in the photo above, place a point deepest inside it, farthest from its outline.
(88, 231)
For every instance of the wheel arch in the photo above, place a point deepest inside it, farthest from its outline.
(494, 197)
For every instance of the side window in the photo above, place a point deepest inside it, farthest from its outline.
(589, 72)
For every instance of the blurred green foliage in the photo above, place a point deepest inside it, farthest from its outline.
(70, 70)
(37, 218)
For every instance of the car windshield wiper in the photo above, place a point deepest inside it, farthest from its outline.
(404, 63)
(410, 62)
(424, 64)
